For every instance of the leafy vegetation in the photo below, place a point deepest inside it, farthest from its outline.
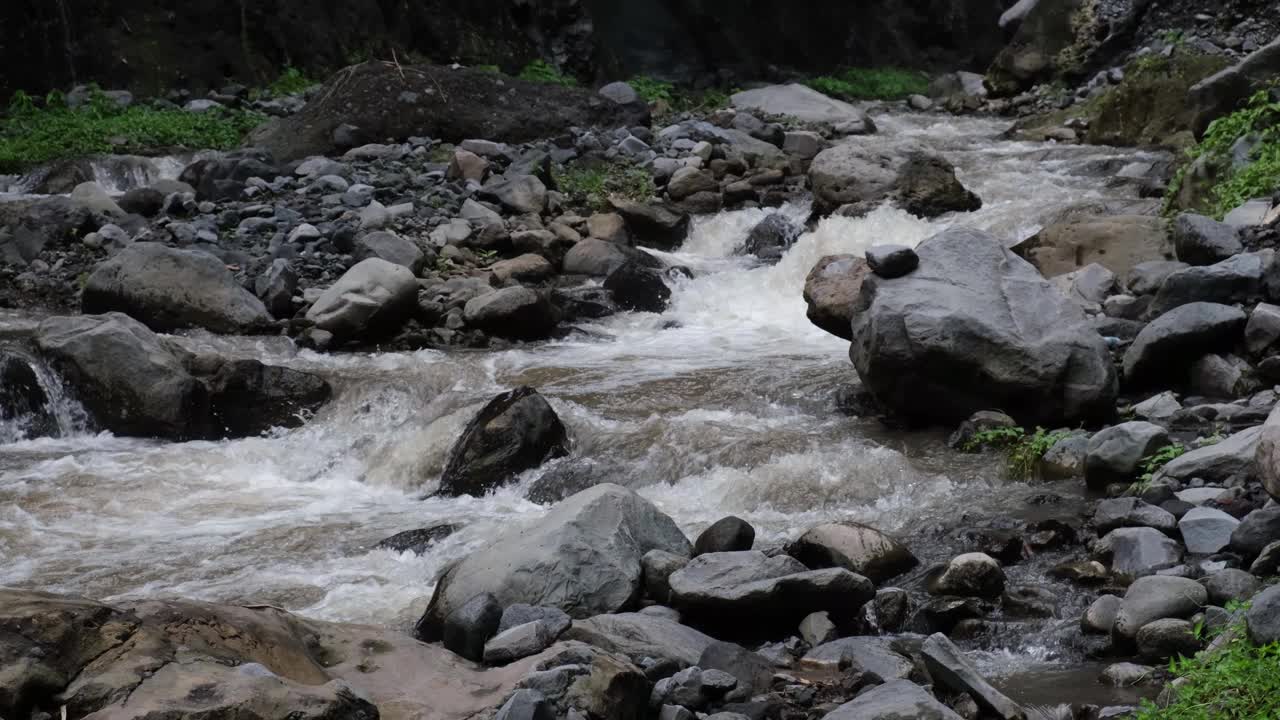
(1023, 451)
(543, 72)
(871, 84)
(669, 98)
(1236, 682)
(290, 82)
(31, 135)
(591, 186)
(653, 90)
(1155, 462)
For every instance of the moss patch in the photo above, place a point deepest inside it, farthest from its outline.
(1150, 107)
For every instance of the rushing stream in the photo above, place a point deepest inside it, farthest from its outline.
(722, 405)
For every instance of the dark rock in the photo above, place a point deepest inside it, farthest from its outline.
(1234, 280)
(659, 566)
(557, 622)
(831, 290)
(979, 422)
(1230, 585)
(589, 302)
(639, 636)
(1164, 639)
(947, 665)
(1199, 240)
(599, 258)
(653, 225)
(146, 202)
(514, 432)
(275, 288)
(1263, 617)
(895, 699)
(770, 239)
(390, 247)
(525, 705)
(1147, 278)
(247, 398)
(1166, 348)
(517, 313)
(854, 547)
(892, 261)
(752, 670)
(223, 176)
(1115, 454)
(1259, 529)
(637, 287)
(1268, 562)
(416, 541)
(970, 575)
(25, 412)
(47, 223)
(1132, 512)
(468, 628)
(927, 186)
(519, 642)
(729, 534)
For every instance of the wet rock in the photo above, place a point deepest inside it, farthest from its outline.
(975, 310)
(892, 608)
(517, 313)
(1166, 348)
(1132, 512)
(892, 261)
(146, 202)
(639, 636)
(970, 575)
(858, 548)
(817, 629)
(692, 688)
(371, 300)
(609, 227)
(1163, 639)
(1084, 572)
(583, 557)
(729, 534)
(416, 541)
(796, 101)
(467, 629)
(1230, 585)
(687, 181)
(896, 699)
(247, 398)
(980, 422)
(831, 291)
(1199, 240)
(927, 186)
(1268, 562)
(528, 268)
(659, 566)
(1259, 529)
(1124, 675)
(947, 665)
(864, 170)
(599, 258)
(1206, 530)
(169, 289)
(1140, 551)
(1101, 615)
(1156, 598)
(1263, 617)
(634, 286)
(869, 654)
(1263, 330)
(390, 247)
(514, 432)
(224, 176)
(24, 403)
(772, 237)
(1115, 454)
(276, 287)
(556, 620)
(653, 225)
(1121, 243)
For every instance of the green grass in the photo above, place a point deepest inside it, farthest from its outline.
(1237, 682)
(30, 135)
(653, 90)
(590, 187)
(542, 72)
(1023, 451)
(871, 84)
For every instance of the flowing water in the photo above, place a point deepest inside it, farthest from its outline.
(722, 405)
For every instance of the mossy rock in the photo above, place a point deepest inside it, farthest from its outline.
(1150, 107)
(1043, 40)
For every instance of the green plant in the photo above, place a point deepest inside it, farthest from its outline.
(1153, 463)
(488, 68)
(485, 256)
(871, 84)
(290, 82)
(1237, 681)
(591, 186)
(653, 90)
(543, 72)
(1023, 451)
(1177, 38)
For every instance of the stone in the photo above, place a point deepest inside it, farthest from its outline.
(637, 635)
(796, 101)
(658, 566)
(652, 224)
(372, 299)
(513, 432)
(927, 186)
(1267, 455)
(1115, 455)
(831, 291)
(1158, 407)
(1219, 94)
(1230, 585)
(599, 258)
(858, 548)
(1263, 617)
(1263, 329)
(417, 541)
(479, 215)
(518, 642)
(390, 247)
(620, 92)
(1147, 278)
(1101, 615)
(1132, 512)
(1136, 552)
(466, 165)
(817, 629)
(146, 202)
(468, 628)
(224, 176)
(1259, 529)
(1157, 598)
(525, 705)
(1125, 675)
(1160, 640)
(970, 575)
(858, 170)
(522, 194)
(247, 398)
(1268, 562)
(169, 289)
(637, 287)
(609, 227)
(1066, 458)
(804, 144)
(893, 700)
(892, 261)
(1199, 240)
(529, 268)
(1220, 462)
(1206, 530)
(688, 181)
(772, 237)
(729, 534)
(1120, 243)
(947, 665)
(1239, 279)
(752, 671)
(868, 654)
(94, 197)
(517, 313)
(275, 288)
(1166, 348)
(583, 557)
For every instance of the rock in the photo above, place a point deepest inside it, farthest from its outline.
(146, 202)
(25, 412)
(970, 575)
(639, 636)
(1263, 617)
(692, 688)
(1066, 458)
(416, 541)
(1092, 284)
(1263, 330)
(518, 313)
(390, 247)
(583, 558)
(1268, 562)
(519, 642)
(1221, 93)
(247, 398)
(47, 223)
(1199, 240)
(276, 286)
(772, 237)
(1267, 455)
(1156, 598)
(895, 699)
(479, 215)
(599, 258)
(1214, 376)
(224, 176)
(817, 629)
(752, 671)
(975, 310)
(466, 165)
(522, 194)
(1259, 529)
(1230, 585)
(854, 547)
(1120, 243)
(725, 586)
(609, 227)
(1164, 639)
(514, 432)
(635, 286)
(947, 665)
(525, 705)
(1125, 675)
(797, 101)
(892, 261)
(1231, 459)
(125, 376)
(1132, 512)
(832, 289)
(169, 289)
(556, 621)
(1147, 278)
(1234, 280)
(467, 629)
(688, 180)
(1115, 454)
(659, 566)
(927, 186)
(868, 654)
(1101, 615)
(1167, 347)
(653, 225)
(1206, 530)
(371, 300)
(729, 534)
(1140, 551)
(620, 93)
(804, 144)
(525, 268)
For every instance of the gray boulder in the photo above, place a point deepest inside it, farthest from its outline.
(975, 310)
(519, 642)
(1259, 529)
(1199, 240)
(728, 534)
(1137, 552)
(392, 248)
(1166, 348)
(854, 547)
(1155, 598)
(517, 313)
(1263, 618)
(522, 194)
(927, 186)
(468, 628)
(1235, 280)
(947, 665)
(276, 286)
(896, 700)
(970, 575)
(620, 92)
(1132, 512)
(1115, 454)
(1267, 454)
(831, 290)
(1147, 278)
(583, 558)
(557, 620)
(168, 289)
(772, 237)
(652, 224)
(1221, 93)
(372, 299)
(1206, 530)
(1230, 585)
(1263, 330)
(513, 432)
(639, 636)
(871, 654)
(862, 170)
(796, 101)
(1231, 459)
(1101, 615)
(1160, 640)
(599, 258)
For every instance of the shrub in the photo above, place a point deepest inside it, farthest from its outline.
(591, 187)
(542, 72)
(290, 82)
(653, 90)
(1153, 463)
(1023, 452)
(871, 84)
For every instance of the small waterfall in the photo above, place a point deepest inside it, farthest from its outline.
(34, 402)
(121, 173)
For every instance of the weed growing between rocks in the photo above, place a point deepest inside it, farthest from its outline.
(290, 82)
(31, 135)
(1023, 451)
(1154, 463)
(590, 187)
(871, 84)
(543, 72)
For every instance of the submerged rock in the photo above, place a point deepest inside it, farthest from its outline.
(514, 432)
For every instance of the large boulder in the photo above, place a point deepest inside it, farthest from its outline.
(1117, 242)
(1239, 279)
(1263, 618)
(831, 290)
(248, 398)
(1116, 454)
(517, 312)
(390, 247)
(880, 655)
(1156, 598)
(1219, 94)
(224, 176)
(26, 230)
(125, 376)
(1221, 463)
(855, 547)
(947, 665)
(1041, 46)
(976, 327)
(1166, 348)
(893, 700)
(797, 101)
(653, 224)
(1267, 454)
(583, 558)
(599, 258)
(514, 432)
(372, 299)
(866, 170)
(1138, 552)
(927, 186)
(168, 289)
(635, 286)
(638, 636)
(1199, 240)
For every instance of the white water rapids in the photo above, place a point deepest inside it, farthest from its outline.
(722, 405)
